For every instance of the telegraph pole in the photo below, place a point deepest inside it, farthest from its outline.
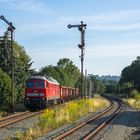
(85, 83)
(12, 68)
(11, 29)
(81, 46)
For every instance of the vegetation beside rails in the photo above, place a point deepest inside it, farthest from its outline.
(64, 114)
(2, 113)
(134, 102)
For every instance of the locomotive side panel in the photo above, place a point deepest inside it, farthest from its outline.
(53, 91)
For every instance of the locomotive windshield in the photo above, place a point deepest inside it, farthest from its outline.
(35, 83)
(30, 84)
(40, 84)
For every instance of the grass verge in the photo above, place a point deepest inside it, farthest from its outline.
(133, 103)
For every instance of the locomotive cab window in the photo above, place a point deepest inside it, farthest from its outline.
(46, 84)
(40, 84)
(30, 84)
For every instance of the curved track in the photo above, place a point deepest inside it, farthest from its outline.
(88, 129)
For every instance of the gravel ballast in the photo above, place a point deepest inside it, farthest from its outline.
(124, 127)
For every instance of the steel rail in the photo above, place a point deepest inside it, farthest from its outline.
(101, 126)
(12, 116)
(18, 118)
(80, 125)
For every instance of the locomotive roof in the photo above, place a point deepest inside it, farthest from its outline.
(49, 79)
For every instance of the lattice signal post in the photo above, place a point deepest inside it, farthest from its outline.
(81, 46)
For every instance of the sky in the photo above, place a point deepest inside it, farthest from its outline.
(111, 37)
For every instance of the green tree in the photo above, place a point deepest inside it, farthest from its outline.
(5, 90)
(99, 86)
(69, 72)
(50, 70)
(22, 64)
(5, 54)
(112, 86)
(66, 73)
(132, 73)
(22, 69)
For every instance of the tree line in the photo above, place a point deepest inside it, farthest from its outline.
(65, 72)
(131, 74)
(22, 69)
(130, 78)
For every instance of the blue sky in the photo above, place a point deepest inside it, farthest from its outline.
(112, 34)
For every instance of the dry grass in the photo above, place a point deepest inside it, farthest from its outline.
(3, 114)
(66, 113)
(133, 103)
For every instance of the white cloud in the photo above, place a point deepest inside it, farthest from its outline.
(113, 50)
(6, 1)
(32, 6)
(117, 21)
(101, 59)
(106, 17)
(46, 55)
(116, 27)
(123, 20)
(106, 59)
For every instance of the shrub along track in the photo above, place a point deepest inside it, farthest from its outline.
(17, 117)
(88, 129)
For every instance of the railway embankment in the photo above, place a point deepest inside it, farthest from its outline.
(39, 126)
(65, 114)
(124, 127)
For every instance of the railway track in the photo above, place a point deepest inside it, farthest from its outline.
(7, 121)
(88, 129)
(17, 117)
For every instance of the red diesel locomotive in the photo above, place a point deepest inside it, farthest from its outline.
(42, 91)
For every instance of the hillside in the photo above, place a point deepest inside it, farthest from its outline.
(108, 77)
